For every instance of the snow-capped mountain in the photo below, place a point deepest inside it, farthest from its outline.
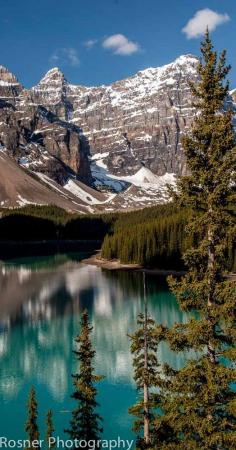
(112, 146)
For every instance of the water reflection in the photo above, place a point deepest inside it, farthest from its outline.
(39, 315)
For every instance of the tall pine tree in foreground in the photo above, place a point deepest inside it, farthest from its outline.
(144, 345)
(200, 402)
(86, 422)
(49, 429)
(31, 426)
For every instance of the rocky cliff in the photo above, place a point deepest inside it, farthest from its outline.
(125, 137)
(137, 121)
(38, 135)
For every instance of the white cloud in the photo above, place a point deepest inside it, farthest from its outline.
(65, 56)
(120, 45)
(204, 18)
(90, 43)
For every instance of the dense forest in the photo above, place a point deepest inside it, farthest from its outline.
(32, 223)
(153, 237)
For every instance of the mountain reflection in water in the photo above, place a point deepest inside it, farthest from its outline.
(40, 306)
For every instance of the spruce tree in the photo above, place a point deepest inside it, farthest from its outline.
(199, 398)
(144, 345)
(31, 426)
(49, 429)
(85, 423)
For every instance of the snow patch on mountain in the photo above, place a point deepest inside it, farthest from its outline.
(86, 197)
(102, 179)
(7, 83)
(140, 189)
(23, 201)
(146, 188)
(145, 177)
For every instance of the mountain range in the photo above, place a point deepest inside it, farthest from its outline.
(91, 149)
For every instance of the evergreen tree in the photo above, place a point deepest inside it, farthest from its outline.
(200, 402)
(31, 426)
(49, 429)
(144, 344)
(86, 422)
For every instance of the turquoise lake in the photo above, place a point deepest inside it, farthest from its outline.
(41, 300)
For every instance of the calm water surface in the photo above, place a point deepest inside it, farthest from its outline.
(41, 300)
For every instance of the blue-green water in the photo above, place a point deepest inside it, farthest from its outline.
(41, 300)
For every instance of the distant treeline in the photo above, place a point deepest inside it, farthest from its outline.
(153, 237)
(36, 223)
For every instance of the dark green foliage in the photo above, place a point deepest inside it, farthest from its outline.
(87, 227)
(155, 237)
(144, 345)
(34, 223)
(150, 242)
(150, 214)
(31, 426)
(86, 422)
(199, 399)
(49, 430)
(50, 212)
(18, 227)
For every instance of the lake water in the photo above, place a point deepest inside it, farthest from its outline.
(41, 300)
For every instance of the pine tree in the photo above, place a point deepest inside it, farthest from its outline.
(31, 426)
(144, 344)
(49, 429)
(86, 422)
(200, 402)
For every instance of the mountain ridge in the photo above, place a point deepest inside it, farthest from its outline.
(102, 135)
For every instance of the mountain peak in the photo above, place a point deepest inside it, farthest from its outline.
(55, 70)
(7, 78)
(186, 57)
(54, 75)
(188, 61)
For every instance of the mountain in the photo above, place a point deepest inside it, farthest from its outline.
(19, 187)
(111, 147)
(10, 87)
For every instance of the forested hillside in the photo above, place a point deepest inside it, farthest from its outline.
(32, 223)
(153, 237)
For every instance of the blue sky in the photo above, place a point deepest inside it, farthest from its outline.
(100, 41)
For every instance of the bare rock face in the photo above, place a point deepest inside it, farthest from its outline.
(139, 121)
(103, 136)
(9, 85)
(40, 137)
(51, 92)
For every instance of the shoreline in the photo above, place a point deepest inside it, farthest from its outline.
(96, 260)
(19, 249)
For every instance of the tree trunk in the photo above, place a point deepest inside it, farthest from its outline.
(145, 386)
(146, 414)
(211, 287)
